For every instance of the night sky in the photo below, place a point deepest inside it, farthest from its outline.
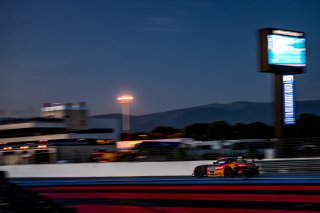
(169, 54)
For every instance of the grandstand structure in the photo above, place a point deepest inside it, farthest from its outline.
(63, 132)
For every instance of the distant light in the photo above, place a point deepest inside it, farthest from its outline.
(7, 148)
(42, 146)
(125, 99)
(143, 136)
(24, 147)
(101, 141)
(43, 140)
(127, 144)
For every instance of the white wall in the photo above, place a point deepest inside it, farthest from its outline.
(117, 169)
(127, 169)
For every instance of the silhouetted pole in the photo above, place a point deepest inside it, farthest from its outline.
(278, 108)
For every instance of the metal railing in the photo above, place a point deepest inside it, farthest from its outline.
(303, 166)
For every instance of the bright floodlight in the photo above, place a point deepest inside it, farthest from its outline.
(125, 101)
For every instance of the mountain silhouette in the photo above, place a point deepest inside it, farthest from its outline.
(237, 112)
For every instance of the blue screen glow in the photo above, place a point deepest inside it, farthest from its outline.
(288, 98)
(286, 50)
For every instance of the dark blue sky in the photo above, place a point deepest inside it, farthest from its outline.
(169, 54)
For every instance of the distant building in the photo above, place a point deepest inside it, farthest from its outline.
(74, 116)
(62, 133)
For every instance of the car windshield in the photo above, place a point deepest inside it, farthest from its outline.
(241, 160)
(220, 162)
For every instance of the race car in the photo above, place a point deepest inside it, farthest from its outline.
(228, 167)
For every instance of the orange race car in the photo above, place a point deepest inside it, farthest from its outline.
(228, 167)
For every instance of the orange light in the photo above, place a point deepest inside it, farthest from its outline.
(24, 147)
(127, 144)
(7, 148)
(43, 140)
(42, 146)
(103, 141)
(125, 99)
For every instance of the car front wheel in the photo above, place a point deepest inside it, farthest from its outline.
(228, 172)
(198, 173)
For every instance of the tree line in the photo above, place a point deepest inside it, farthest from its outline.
(307, 125)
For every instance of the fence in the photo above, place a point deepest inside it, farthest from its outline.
(160, 152)
(303, 166)
(209, 150)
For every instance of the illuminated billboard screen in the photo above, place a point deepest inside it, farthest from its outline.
(286, 50)
(282, 51)
(288, 100)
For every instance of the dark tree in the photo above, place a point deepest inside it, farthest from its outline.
(196, 131)
(239, 131)
(219, 130)
(166, 130)
(308, 125)
(258, 130)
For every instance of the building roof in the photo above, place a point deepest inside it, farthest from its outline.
(31, 123)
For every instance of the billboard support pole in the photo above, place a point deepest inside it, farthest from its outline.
(278, 112)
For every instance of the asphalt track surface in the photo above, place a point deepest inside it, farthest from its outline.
(264, 194)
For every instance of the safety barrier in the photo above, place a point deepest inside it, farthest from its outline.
(127, 169)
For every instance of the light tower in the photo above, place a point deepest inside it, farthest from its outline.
(125, 101)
